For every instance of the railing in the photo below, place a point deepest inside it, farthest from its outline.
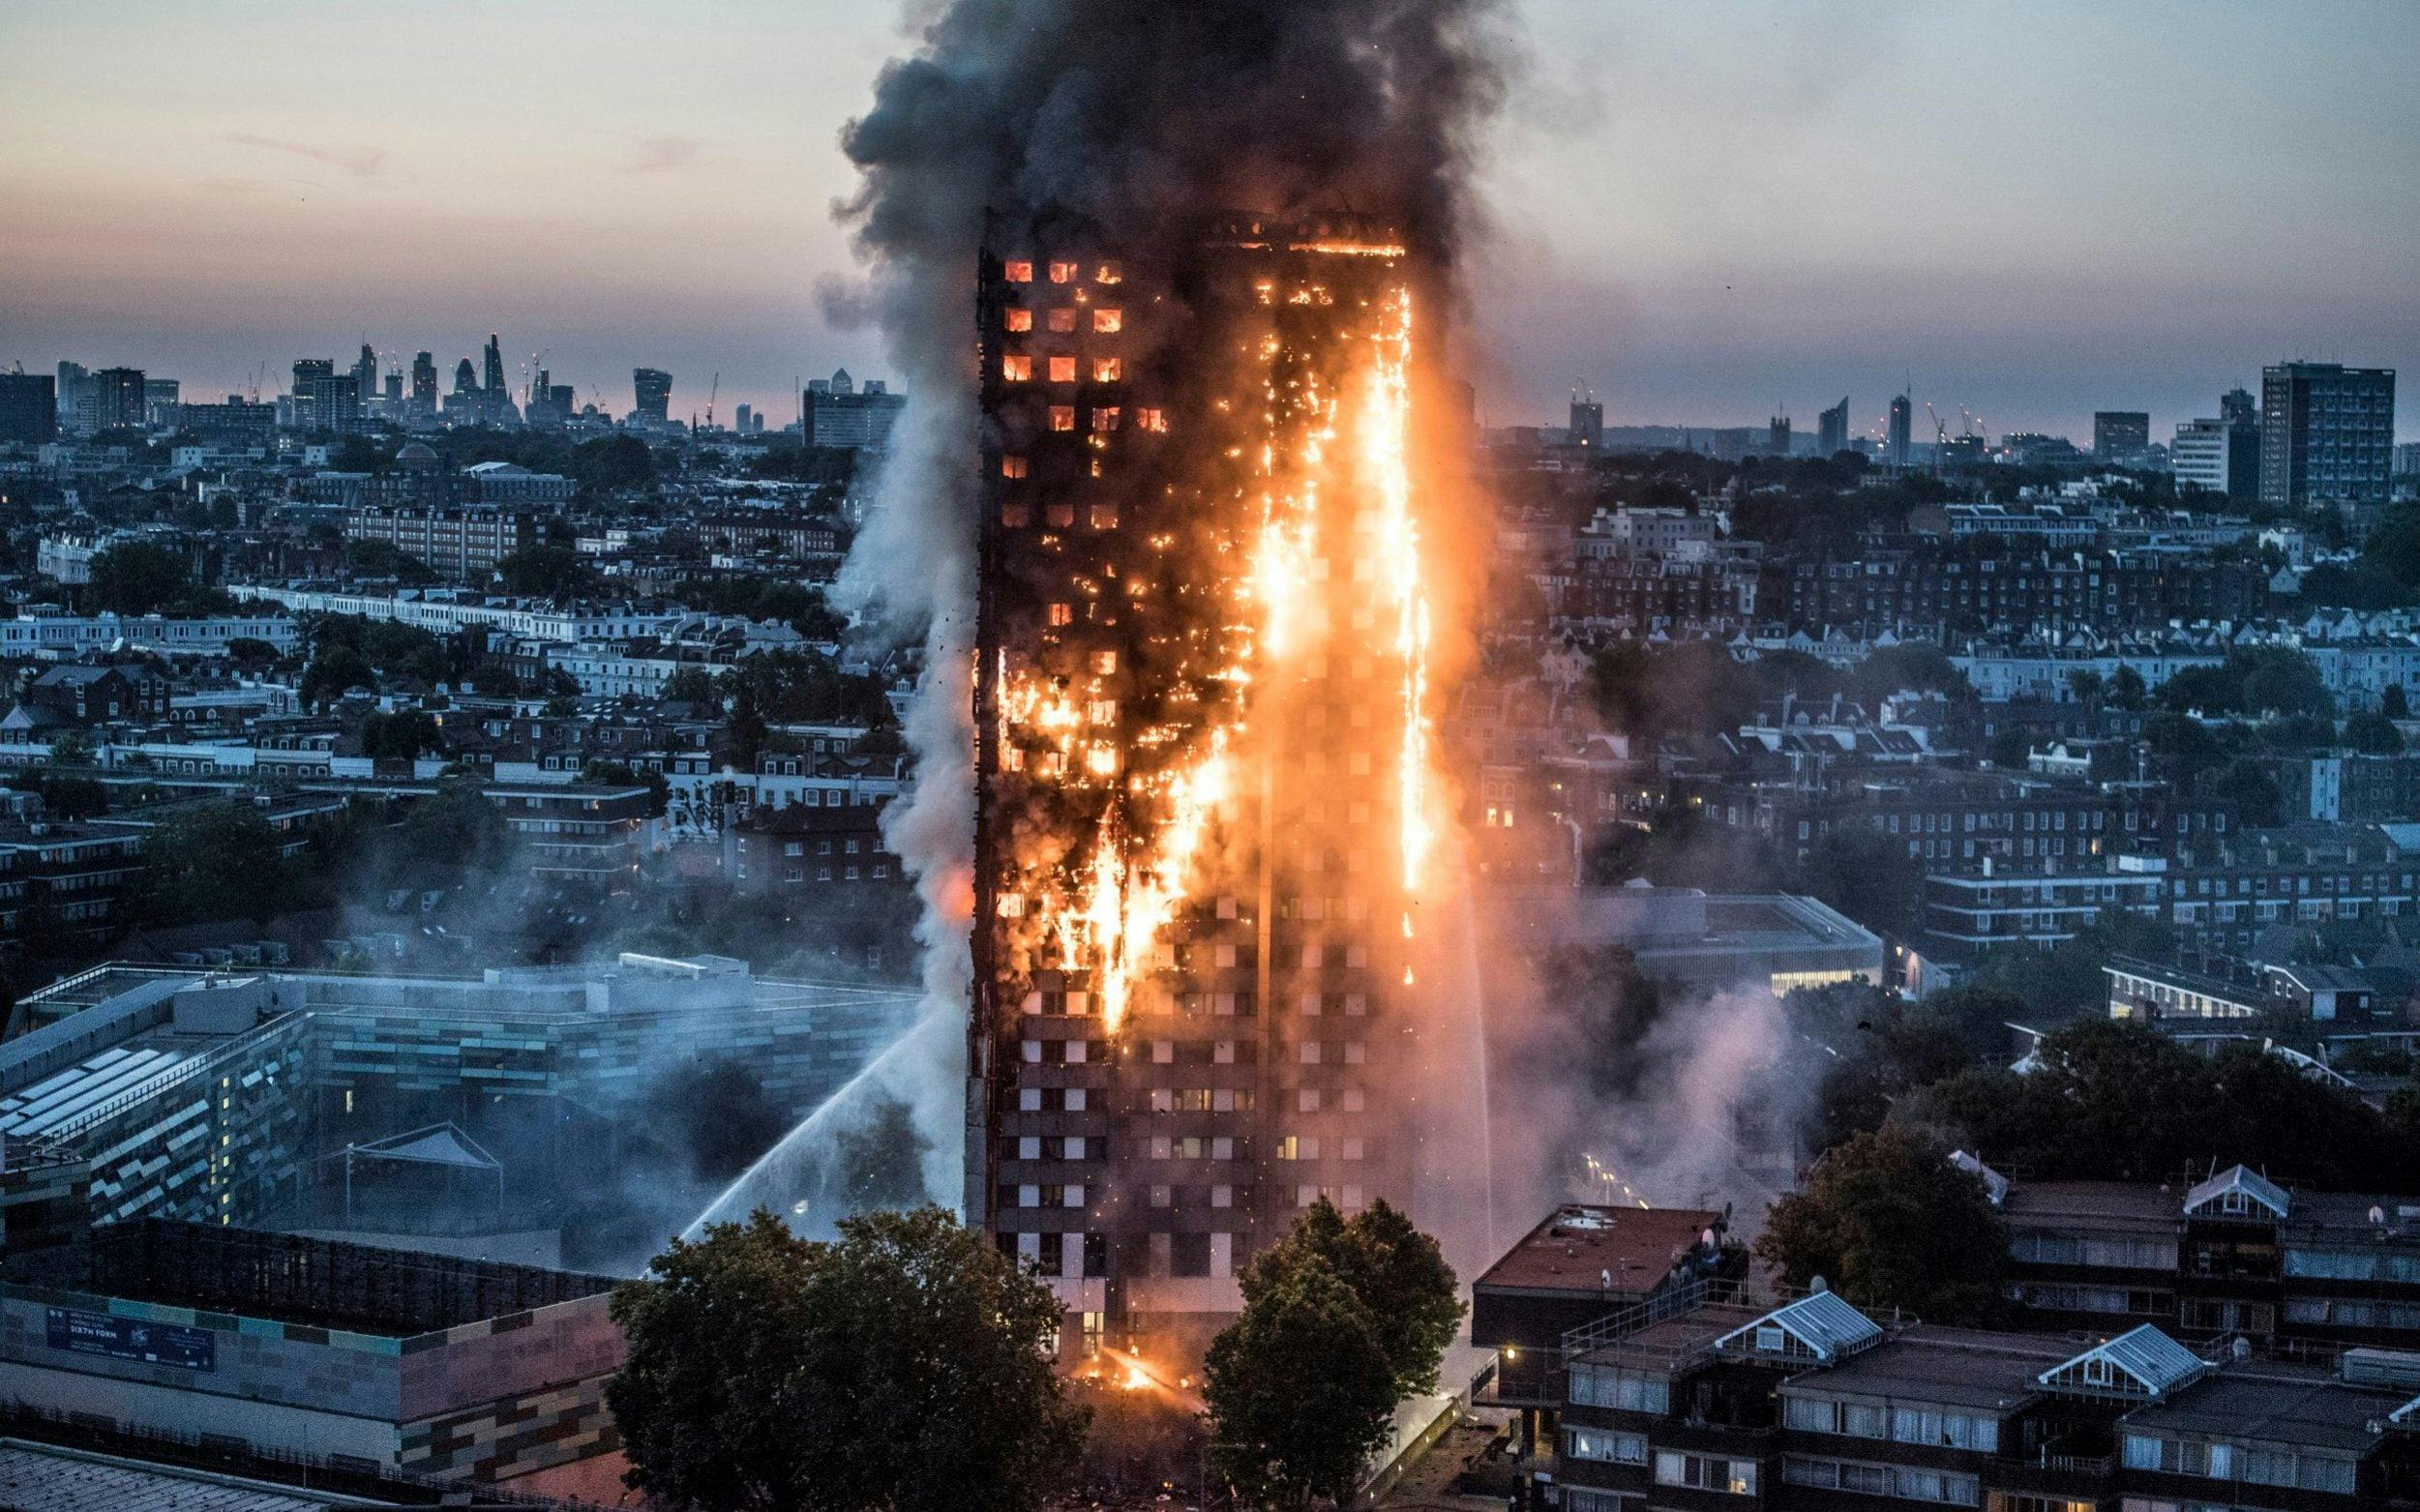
(1656, 1309)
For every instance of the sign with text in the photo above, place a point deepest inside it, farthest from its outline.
(131, 1339)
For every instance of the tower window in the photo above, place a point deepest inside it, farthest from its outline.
(1018, 272)
(1018, 320)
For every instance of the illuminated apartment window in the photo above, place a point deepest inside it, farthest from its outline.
(1062, 369)
(1018, 272)
(1064, 273)
(1016, 370)
(1017, 320)
(1150, 419)
(1107, 273)
(1109, 322)
(1062, 320)
(1063, 417)
(1106, 369)
(1105, 418)
(1062, 615)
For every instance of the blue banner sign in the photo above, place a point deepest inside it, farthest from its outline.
(131, 1339)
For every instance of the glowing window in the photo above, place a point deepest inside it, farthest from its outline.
(1019, 273)
(1018, 320)
(1012, 466)
(1105, 662)
(1062, 369)
(1104, 516)
(1106, 369)
(1063, 417)
(1064, 272)
(1062, 320)
(1108, 321)
(1101, 711)
(1107, 273)
(1105, 418)
(1152, 419)
(1103, 760)
(1062, 614)
(1015, 513)
(1016, 370)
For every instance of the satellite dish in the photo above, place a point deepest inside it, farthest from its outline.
(2377, 1216)
(1819, 1284)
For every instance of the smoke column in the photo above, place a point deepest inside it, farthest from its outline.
(1143, 119)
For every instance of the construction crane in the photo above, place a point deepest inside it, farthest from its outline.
(711, 397)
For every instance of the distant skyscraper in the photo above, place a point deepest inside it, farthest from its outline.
(309, 373)
(162, 400)
(653, 389)
(117, 397)
(2120, 436)
(2236, 407)
(741, 420)
(424, 405)
(495, 365)
(1777, 436)
(1588, 420)
(76, 395)
(1901, 433)
(2327, 434)
(29, 407)
(1832, 430)
(366, 372)
(465, 377)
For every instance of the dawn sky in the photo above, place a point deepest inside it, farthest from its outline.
(1704, 211)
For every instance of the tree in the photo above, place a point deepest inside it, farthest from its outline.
(546, 572)
(246, 652)
(1300, 1390)
(385, 559)
(359, 453)
(2246, 784)
(452, 835)
(399, 737)
(1395, 1270)
(212, 861)
(612, 465)
(333, 670)
(2374, 733)
(1888, 1222)
(2126, 689)
(720, 1115)
(879, 1161)
(2086, 684)
(2393, 703)
(659, 789)
(691, 685)
(902, 1367)
(136, 578)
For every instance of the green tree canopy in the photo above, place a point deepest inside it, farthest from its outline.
(1396, 1271)
(137, 578)
(546, 572)
(1300, 1390)
(1888, 1222)
(901, 1367)
(212, 861)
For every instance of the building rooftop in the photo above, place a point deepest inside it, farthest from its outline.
(1954, 1366)
(1581, 1249)
(38, 1478)
(2094, 1206)
(1674, 1343)
(2274, 1404)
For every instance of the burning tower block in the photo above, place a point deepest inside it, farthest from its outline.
(1203, 749)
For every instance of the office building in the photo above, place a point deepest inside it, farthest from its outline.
(29, 407)
(652, 387)
(161, 405)
(2327, 434)
(2120, 436)
(461, 543)
(117, 398)
(1900, 435)
(841, 414)
(311, 374)
(1832, 430)
(2221, 457)
(495, 365)
(1588, 422)
(366, 374)
(424, 396)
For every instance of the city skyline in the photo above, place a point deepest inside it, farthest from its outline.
(1857, 209)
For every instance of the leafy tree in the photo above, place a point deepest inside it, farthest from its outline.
(1896, 1053)
(2086, 684)
(73, 748)
(333, 670)
(612, 466)
(2181, 740)
(212, 861)
(1393, 1269)
(1300, 1390)
(691, 685)
(902, 1367)
(719, 1115)
(359, 453)
(2117, 1102)
(63, 796)
(2248, 785)
(879, 1161)
(136, 578)
(453, 834)
(1917, 665)
(385, 559)
(2374, 732)
(546, 572)
(2126, 689)
(2011, 750)
(1888, 1222)
(246, 652)
(399, 737)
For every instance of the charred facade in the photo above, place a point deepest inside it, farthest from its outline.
(1200, 744)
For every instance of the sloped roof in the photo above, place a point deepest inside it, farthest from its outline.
(2238, 1179)
(438, 1144)
(1820, 1323)
(2142, 1363)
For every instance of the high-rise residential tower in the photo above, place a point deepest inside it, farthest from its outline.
(1901, 433)
(117, 398)
(1832, 430)
(1199, 755)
